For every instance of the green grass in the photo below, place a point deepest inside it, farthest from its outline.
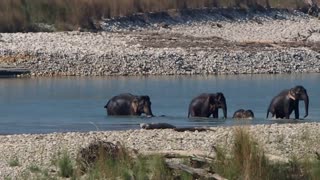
(24, 15)
(247, 161)
(34, 168)
(65, 165)
(13, 161)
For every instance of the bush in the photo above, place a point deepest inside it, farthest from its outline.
(14, 161)
(247, 161)
(65, 165)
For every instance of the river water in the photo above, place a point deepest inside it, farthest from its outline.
(43, 105)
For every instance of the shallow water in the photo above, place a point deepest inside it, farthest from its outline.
(43, 105)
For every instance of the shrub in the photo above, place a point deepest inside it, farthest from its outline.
(65, 165)
(34, 168)
(247, 160)
(14, 161)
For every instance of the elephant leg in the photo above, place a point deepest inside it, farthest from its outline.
(296, 109)
(192, 113)
(287, 110)
(215, 113)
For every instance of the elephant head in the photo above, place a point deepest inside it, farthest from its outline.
(142, 104)
(248, 114)
(238, 114)
(243, 114)
(220, 102)
(300, 93)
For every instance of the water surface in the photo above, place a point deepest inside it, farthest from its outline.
(43, 105)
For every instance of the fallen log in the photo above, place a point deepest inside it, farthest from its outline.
(195, 172)
(181, 153)
(151, 126)
(192, 129)
(157, 126)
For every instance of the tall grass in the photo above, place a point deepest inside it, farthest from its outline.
(22, 15)
(248, 161)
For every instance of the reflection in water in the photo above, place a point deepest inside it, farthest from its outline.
(41, 105)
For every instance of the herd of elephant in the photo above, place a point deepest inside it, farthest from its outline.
(207, 104)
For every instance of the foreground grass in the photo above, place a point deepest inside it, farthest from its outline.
(24, 15)
(247, 161)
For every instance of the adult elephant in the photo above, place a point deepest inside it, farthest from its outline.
(129, 105)
(243, 114)
(287, 101)
(206, 104)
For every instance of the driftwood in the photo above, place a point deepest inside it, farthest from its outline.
(151, 126)
(195, 172)
(157, 126)
(182, 154)
(193, 129)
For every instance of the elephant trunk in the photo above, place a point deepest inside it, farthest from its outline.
(305, 97)
(148, 112)
(224, 108)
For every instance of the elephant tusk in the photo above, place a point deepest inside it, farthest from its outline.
(291, 97)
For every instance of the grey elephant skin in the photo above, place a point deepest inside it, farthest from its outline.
(243, 114)
(287, 101)
(129, 105)
(207, 104)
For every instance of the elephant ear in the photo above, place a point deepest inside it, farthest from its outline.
(211, 99)
(211, 102)
(135, 105)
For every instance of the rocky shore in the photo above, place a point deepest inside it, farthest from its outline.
(282, 141)
(174, 43)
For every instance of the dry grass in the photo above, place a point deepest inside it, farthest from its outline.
(22, 15)
(247, 161)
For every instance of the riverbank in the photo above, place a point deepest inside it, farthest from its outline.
(197, 42)
(280, 141)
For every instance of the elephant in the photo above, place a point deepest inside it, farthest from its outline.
(243, 114)
(206, 104)
(284, 103)
(129, 105)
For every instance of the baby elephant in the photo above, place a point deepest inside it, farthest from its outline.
(243, 114)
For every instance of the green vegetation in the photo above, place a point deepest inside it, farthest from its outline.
(14, 161)
(248, 161)
(123, 166)
(104, 160)
(34, 168)
(27, 15)
(65, 165)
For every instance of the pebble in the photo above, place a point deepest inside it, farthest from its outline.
(183, 49)
(280, 140)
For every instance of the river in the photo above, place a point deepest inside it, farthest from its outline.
(44, 105)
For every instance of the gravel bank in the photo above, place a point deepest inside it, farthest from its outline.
(283, 140)
(195, 42)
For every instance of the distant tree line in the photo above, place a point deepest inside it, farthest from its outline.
(22, 15)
